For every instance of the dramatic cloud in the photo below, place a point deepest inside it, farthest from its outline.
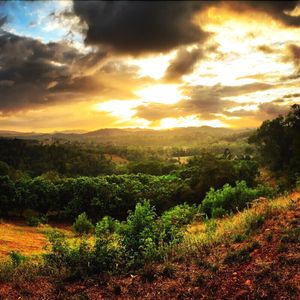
(147, 63)
(272, 110)
(204, 101)
(30, 71)
(140, 26)
(266, 49)
(278, 10)
(183, 63)
(294, 53)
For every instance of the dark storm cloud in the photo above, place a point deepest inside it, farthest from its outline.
(183, 63)
(34, 73)
(140, 26)
(278, 10)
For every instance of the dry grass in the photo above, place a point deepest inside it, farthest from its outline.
(21, 238)
(30, 241)
(207, 234)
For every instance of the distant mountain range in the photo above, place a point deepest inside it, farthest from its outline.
(136, 136)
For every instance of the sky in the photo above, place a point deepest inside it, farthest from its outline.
(86, 65)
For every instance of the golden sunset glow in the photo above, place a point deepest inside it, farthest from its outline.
(162, 93)
(242, 67)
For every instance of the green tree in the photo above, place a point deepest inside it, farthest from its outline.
(278, 143)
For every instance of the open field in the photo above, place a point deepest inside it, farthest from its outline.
(17, 236)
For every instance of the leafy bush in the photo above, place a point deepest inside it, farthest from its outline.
(77, 259)
(106, 226)
(82, 224)
(141, 232)
(174, 219)
(218, 212)
(35, 221)
(143, 238)
(232, 198)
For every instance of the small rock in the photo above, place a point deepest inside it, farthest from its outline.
(248, 282)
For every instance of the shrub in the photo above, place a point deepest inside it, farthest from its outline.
(75, 260)
(82, 224)
(232, 198)
(174, 219)
(141, 231)
(59, 252)
(109, 253)
(36, 221)
(106, 226)
(210, 226)
(218, 212)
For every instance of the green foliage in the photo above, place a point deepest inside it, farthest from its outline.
(35, 221)
(278, 143)
(153, 167)
(141, 232)
(220, 170)
(232, 198)
(218, 212)
(106, 226)
(82, 224)
(16, 258)
(143, 238)
(174, 219)
(70, 159)
(7, 194)
(210, 226)
(77, 259)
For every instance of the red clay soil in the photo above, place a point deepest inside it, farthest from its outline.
(271, 270)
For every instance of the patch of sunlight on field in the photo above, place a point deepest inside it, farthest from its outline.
(116, 159)
(27, 240)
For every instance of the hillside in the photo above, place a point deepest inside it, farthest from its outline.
(251, 255)
(189, 136)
